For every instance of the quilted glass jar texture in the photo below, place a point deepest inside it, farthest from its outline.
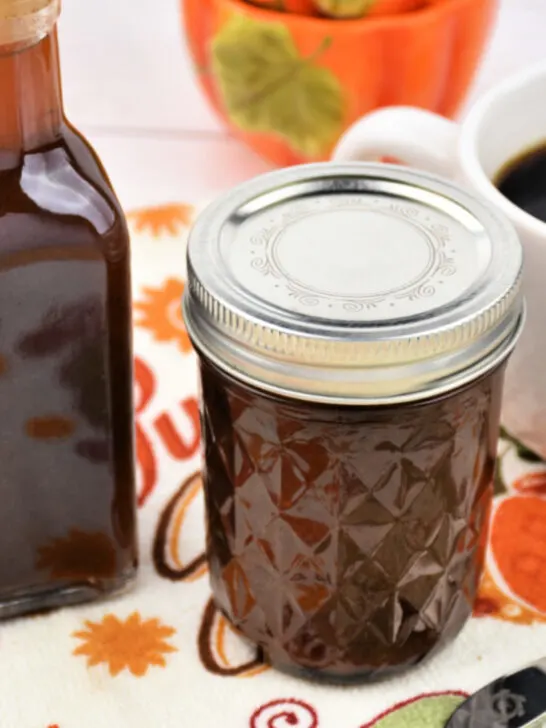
(347, 541)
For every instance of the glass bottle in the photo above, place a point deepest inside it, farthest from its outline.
(67, 482)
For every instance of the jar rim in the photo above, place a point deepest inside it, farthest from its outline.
(438, 389)
(415, 338)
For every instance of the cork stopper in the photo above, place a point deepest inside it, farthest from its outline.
(27, 21)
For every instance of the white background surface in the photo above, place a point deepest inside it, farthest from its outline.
(129, 87)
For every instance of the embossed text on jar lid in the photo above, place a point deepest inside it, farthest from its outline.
(353, 283)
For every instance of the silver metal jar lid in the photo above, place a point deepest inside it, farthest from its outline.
(354, 283)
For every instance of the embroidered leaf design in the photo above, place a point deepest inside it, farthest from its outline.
(344, 8)
(267, 86)
(427, 712)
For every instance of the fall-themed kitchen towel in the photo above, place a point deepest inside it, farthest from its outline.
(162, 656)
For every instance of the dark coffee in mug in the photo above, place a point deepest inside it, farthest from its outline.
(523, 181)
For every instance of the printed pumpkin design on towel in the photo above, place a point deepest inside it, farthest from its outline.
(267, 85)
(162, 220)
(514, 584)
(161, 314)
(133, 644)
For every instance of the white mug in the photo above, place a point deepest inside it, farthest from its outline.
(508, 121)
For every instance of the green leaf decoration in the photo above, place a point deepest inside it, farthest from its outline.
(344, 8)
(427, 712)
(267, 86)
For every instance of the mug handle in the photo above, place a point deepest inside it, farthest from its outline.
(414, 137)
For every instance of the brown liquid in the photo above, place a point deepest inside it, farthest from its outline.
(523, 182)
(67, 494)
(347, 541)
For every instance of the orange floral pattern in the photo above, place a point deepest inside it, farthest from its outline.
(162, 220)
(161, 313)
(133, 644)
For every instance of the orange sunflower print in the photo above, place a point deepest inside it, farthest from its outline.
(162, 220)
(161, 313)
(133, 644)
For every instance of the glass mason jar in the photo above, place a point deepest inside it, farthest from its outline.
(353, 323)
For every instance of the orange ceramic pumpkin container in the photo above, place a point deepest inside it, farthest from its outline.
(289, 85)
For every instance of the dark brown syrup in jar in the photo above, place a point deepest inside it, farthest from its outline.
(67, 493)
(347, 542)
